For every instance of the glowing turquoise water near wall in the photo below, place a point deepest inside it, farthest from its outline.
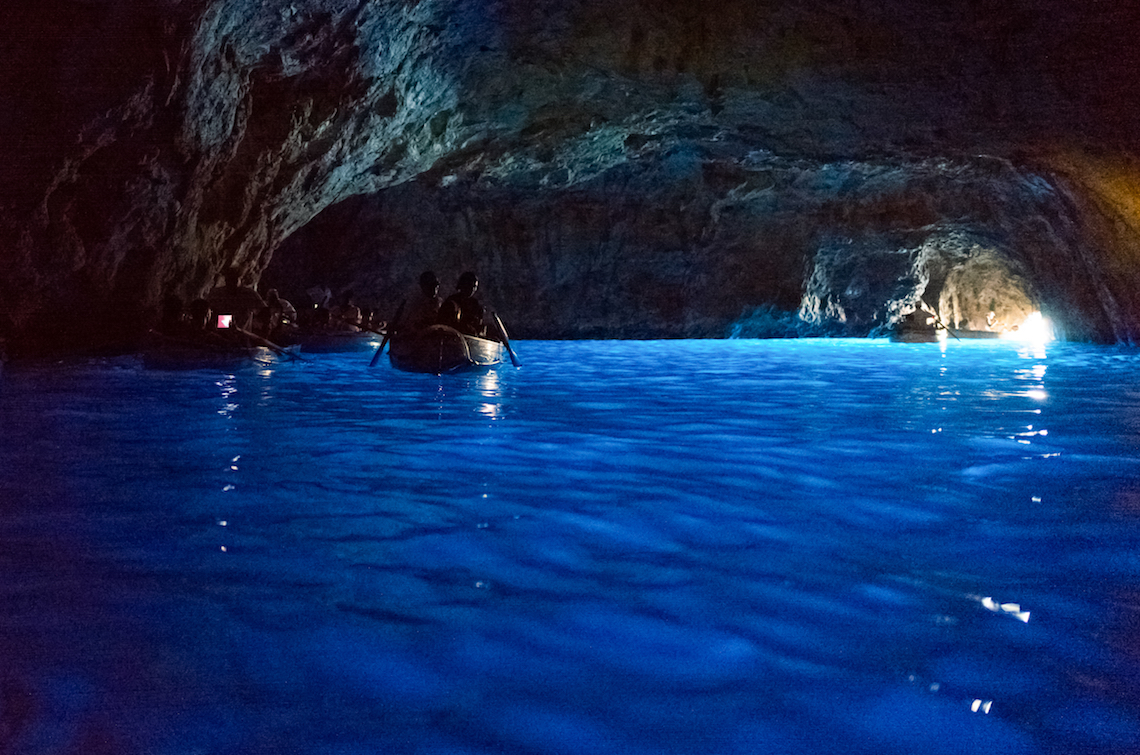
(623, 547)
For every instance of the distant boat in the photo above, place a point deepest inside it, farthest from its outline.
(917, 337)
(331, 341)
(918, 327)
(915, 328)
(930, 334)
(974, 333)
(440, 349)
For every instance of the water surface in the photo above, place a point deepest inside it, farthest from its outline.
(623, 547)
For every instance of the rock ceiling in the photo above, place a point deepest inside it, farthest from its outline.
(611, 168)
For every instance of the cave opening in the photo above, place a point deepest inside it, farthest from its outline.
(987, 293)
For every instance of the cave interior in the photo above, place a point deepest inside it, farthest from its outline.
(639, 170)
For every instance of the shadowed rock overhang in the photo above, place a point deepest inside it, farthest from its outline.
(613, 169)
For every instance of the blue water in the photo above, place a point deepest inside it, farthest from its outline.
(623, 547)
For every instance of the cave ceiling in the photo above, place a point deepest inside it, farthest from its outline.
(610, 168)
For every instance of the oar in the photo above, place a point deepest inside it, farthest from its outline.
(279, 350)
(506, 339)
(937, 319)
(392, 324)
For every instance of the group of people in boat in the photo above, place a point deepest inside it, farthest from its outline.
(462, 310)
(240, 309)
(345, 315)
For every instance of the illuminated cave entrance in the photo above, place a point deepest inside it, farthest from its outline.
(968, 284)
(985, 293)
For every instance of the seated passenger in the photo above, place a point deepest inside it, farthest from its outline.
(319, 319)
(198, 315)
(425, 304)
(462, 310)
(238, 301)
(283, 308)
(189, 321)
(280, 314)
(173, 318)
(347, 314)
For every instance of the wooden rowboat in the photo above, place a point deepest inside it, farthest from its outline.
(441, 349)
(918, 335)
(935, 335)
(331, 341)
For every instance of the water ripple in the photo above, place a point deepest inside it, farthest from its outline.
(710, 546)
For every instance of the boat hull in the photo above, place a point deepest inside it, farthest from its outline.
(915, 335)
(918, 335)
(188, 353)
(191, 358)
(333, 342)
(440, 349)
(979, 334)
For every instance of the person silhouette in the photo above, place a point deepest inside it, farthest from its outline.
(425, 304)
(235, 300)
(462, 310)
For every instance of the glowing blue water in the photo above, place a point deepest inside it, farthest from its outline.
(664, 547)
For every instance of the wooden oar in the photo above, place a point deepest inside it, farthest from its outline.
(279, 350)
(937, 319)
(392, 325)
(506, 339)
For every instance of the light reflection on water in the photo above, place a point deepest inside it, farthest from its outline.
(713, 547)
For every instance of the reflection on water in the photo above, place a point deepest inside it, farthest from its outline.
(488, 385)
(229, 389)
(654, 547)
(1010, 608)
(1035, 329)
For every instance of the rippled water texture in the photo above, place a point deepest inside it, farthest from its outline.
(624, 547)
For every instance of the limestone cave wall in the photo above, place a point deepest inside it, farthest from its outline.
(694, 244)
(642, 167)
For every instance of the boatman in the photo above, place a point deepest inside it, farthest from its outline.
(462, 310)
(425, 304)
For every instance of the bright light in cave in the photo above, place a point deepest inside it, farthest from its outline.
(1034, 328)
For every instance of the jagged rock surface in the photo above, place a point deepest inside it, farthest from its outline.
(634, 168)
